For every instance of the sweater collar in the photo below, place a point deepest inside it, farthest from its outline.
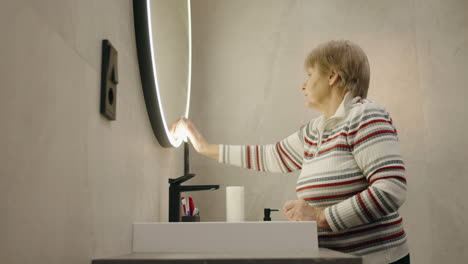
(343, 108)
(346, 103)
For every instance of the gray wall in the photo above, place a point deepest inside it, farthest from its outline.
(248, 68)
(71, 182)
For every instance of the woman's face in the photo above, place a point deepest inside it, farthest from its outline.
(316, 88)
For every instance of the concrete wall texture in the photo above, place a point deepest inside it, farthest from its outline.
(72, 183)
(248, 68)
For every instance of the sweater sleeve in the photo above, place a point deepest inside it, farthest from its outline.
(374, 142)
(283, 156)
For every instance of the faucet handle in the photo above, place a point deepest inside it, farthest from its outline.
(181, 179)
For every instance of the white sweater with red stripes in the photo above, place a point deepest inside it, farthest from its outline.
(351, 167)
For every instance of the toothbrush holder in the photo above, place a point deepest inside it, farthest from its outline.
(192, 218)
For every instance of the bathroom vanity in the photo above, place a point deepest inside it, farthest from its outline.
(292, 257)
(276, 242)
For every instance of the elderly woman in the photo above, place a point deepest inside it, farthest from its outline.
(352, 178)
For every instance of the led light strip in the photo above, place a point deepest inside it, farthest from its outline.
(175, 143)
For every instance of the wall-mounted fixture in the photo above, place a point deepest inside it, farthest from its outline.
(163, 40)
(109, 80)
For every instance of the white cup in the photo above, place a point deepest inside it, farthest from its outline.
(235, 204)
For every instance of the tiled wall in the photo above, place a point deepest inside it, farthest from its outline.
(71, 182)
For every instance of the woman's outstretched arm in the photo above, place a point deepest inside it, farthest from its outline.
(283, 156)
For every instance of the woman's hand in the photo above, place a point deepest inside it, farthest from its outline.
(198, 141)
(175, 127)
(184, 127)
(300, 210)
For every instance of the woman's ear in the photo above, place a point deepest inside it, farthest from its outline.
(333, 77)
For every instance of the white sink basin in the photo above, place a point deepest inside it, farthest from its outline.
(225, 236)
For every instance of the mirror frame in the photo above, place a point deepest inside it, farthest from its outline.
(148, 73)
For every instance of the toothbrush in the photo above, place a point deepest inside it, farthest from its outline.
(188, 206)
(191, 206)
(187, 209)
(183, 204)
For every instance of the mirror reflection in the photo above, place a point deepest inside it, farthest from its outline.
(170, 31)
(163, 35)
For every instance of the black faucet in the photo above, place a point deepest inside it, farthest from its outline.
(175, 188)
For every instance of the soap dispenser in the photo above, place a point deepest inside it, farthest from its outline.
(266, 213)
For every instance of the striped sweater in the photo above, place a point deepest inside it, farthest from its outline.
(352, 168)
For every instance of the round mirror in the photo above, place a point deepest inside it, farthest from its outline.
(163, 38)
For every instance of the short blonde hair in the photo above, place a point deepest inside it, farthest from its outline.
(347, 59)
